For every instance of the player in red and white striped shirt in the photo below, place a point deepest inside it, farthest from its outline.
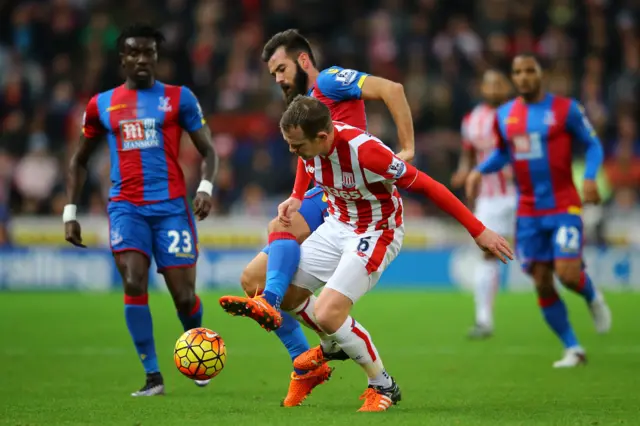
(362, 235)
(496, 204)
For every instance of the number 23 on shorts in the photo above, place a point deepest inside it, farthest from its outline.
(181, 242)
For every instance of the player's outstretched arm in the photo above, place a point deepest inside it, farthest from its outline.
(381, 161)
(580, 127)
(392, 94)
(192, 120)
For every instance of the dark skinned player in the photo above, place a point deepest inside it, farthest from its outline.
(535, 135)
(149, 215)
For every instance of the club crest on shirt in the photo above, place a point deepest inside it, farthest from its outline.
(164, 104)
(549, 118)
(348, 180)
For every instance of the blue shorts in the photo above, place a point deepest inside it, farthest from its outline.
(546, 238)
(313, 210)
(165, 230)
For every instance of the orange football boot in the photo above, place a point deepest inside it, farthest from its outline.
(315, 357)
(301, 386)
(377, 398)
(256, 308)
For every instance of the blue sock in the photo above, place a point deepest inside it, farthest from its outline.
(555, 313)
(194, 319)
(585, 288)
(138, 317)
(284, 256)
(292, 337)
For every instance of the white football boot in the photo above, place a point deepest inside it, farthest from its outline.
(573, 357)
(600, 313)
(202, 383)
(153, 386)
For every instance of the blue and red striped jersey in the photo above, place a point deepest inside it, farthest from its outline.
(537, 139)
(143, 128)
(340, 90)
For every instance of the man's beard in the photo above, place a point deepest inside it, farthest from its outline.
(300, 85)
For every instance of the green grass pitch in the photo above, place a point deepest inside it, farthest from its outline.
(66, 358)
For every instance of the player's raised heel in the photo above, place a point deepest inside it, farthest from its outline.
(256, 308)
(377, 398)
(154, 386)
(301, 386)
(601, 314)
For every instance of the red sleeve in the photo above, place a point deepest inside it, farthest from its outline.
(383, 162)
(302, 181)
(91, 125)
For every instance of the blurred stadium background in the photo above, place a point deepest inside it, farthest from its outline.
(54, 55)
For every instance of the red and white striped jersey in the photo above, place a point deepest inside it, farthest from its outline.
(478, 134)
(358, 176)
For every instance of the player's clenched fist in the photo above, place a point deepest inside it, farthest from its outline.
(287, 209)
(202, 205)
(495, 244)
(472, 185)
(73, 233)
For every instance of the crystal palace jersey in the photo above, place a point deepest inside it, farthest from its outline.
(143, 129)
(340, 90)
(537, 140)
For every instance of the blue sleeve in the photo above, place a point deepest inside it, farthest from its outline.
(495, 162)
(499, 157)
(341, 84)
(579, 126)
(191, 117)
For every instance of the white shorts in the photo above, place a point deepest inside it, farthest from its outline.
(498, 214)
(346, 262)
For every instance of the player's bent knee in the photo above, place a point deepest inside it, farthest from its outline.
(249, 281)
(133, 269)
(542, 274)
(331, 310)
(568, 273)
(299, 227)
(275, 226)
(184, 300)
(254, 275)
(133, 283)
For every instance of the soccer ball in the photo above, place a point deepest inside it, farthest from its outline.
(200, 354)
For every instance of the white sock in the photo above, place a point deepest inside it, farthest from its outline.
(304, 315)
(355, 340)
(487, 275)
